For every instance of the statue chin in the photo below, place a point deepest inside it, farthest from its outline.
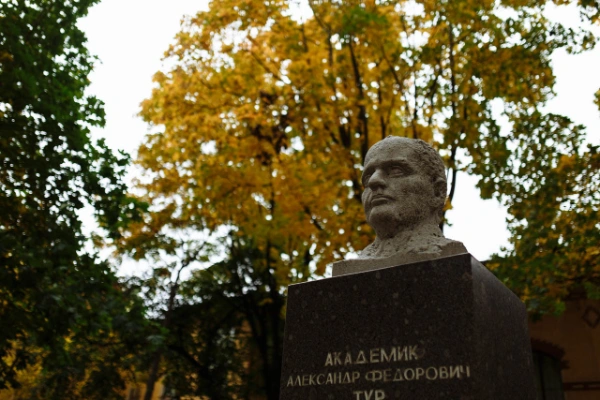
(388, 222)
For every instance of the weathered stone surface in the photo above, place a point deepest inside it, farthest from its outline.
(405, 191)
(439, 329)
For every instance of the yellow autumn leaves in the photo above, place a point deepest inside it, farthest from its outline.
(267, 113)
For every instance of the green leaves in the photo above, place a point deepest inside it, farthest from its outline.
(58, 304)
(356, 20)
(226, 330)
(550, 184)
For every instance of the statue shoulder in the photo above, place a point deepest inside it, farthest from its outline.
(369, 251)
(448, 247)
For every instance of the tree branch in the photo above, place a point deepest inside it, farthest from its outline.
(362, 114)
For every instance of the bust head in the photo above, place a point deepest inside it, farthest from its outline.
(404, 196)
(404, 186)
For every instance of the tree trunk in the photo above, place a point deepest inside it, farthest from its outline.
(152, 376)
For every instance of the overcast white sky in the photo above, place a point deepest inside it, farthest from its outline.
(130, 37)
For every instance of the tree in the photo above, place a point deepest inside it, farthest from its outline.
(226, 331)
(60, 305)
(553, 217)
(266, 116)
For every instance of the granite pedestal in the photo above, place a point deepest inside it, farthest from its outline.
(438, 329)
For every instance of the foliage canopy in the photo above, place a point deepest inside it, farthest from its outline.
(58, 303)
(270, 108)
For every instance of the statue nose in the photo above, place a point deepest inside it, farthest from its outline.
(377, 180)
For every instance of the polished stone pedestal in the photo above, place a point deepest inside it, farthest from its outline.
(438, 329)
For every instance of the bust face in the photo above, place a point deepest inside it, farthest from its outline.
(398, 192)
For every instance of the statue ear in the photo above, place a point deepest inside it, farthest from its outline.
(439, 191)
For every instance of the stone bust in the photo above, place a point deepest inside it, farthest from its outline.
(404, 194)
